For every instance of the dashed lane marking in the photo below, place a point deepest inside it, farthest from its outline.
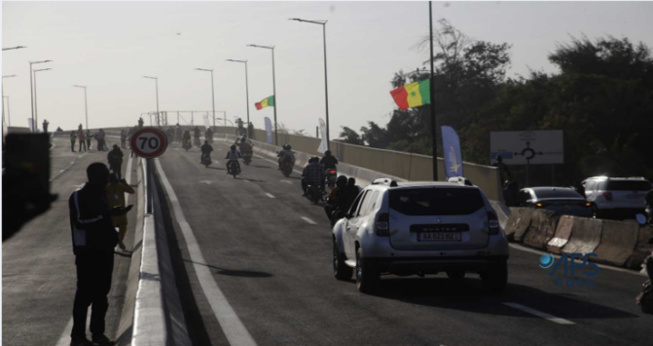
(286, 181)
(269, 195)
(309, 220)
(538, 313)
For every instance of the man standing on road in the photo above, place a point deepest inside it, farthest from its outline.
(45, 125)
(116, 190)
(94, 239)
(115, 161)
(73, 138)
(82, 140)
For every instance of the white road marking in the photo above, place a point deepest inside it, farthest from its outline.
(286, 181)
(538, 313)
(309, 220)
(269, 195)
(231, 324)
(208, 182)
(62, 170)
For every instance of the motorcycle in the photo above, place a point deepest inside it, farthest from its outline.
(206, 159)
(233, 168)
(247, 157)
(331, 175)
(287, 165)
(186, 145)
(314, 193)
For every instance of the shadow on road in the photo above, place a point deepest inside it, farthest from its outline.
(468, 295)
(237, 273)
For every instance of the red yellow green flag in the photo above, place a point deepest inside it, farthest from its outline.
(268, 101)
(412, 95)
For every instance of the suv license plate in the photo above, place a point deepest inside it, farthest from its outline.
(439, 236)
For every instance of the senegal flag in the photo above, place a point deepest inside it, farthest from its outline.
(269, 101)
(412, 95)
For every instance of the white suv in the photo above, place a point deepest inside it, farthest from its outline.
(610, 196)
(420, 228)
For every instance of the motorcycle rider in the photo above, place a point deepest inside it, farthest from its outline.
(332, 201)
(286, 154)
(313, 174)
(208, 135)
(233, 156)
(186, 137)
(245, 146)
(328, 161)
(206, 150)
(648, 208)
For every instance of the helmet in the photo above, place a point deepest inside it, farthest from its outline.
(289, 147)
(285, 147)
(341, 181)
(233, 147)
(327, 153)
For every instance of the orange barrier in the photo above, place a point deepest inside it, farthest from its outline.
(542, 228)
(585, 235)
(518, 223)
(618, 242)
(562, 234)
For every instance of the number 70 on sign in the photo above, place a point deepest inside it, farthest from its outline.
(148, 142)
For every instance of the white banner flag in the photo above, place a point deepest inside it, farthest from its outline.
(323, 144)
(206, 121)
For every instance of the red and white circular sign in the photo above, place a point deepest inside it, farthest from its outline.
(149, 142)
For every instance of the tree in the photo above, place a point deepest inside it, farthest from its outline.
(350, 136)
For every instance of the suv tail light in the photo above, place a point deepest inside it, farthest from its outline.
(608, 195)
(382, 228)
(493, 223)
(332, 172)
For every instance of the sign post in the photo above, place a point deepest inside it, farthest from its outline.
(148, 143)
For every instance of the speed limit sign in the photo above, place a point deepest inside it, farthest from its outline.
(148, 142)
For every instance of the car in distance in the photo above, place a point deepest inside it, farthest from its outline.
(561, 200)
(419, 228)
(616, 197)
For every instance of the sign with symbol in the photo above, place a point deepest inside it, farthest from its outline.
(527, 147)
(148, 142)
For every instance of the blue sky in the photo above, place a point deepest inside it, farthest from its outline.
(109, 46)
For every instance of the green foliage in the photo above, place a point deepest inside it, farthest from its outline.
(602, 98)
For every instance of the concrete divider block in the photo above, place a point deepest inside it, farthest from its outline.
(643, 248)
(618, 242)
(518, 223)
(562, 234)
(585, 235)
(542, 228)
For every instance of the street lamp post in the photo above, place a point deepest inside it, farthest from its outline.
(85, 103)
(31, 90)
(3, 99)
(326, 88)
(274, 90)
(36, 107)
(246, 92)
(156, 85)
(212, 91)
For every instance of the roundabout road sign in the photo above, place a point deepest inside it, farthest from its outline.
(148, 142)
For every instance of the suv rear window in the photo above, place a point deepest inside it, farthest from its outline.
(557, 193)
(436, 201)
(628, 185)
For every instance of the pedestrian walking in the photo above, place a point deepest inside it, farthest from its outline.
(88, 139)
(94, 239)
(123, 138)
(73, 138)
(116, 190)
(82, 140)
(115, 161)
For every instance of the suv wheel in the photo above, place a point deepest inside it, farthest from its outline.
(595, 212)
(340, 269)
(367, 276)
(456, 275)
(496, 277)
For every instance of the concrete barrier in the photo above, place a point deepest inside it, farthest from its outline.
(585, 235)
(618, 241)
(542, 228)
(643, 248)
(518, 223)
(562, 234)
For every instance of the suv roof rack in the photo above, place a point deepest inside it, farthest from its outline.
(385, 181)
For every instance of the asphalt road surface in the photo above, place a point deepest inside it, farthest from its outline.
(267, 250)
